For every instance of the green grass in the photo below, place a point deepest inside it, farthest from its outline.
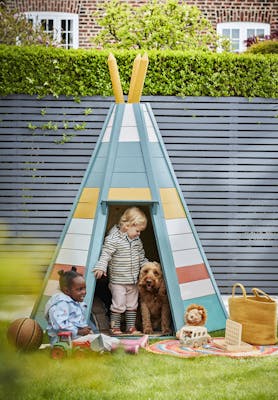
(122, 376)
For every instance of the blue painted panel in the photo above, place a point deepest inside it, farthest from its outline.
(129, 179)
(129, 149)
(99, 164)
(216, 315)
(155, 149)
(162, 173)
(95, 180)
(103, 150)
(164, 180)
(131, 164)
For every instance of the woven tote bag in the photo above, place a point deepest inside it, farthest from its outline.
(257, 313)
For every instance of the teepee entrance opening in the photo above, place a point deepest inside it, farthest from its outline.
(102, 295)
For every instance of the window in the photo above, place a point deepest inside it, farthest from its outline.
(62, 27)
(238, 32)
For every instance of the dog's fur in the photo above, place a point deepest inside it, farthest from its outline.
(154, 304)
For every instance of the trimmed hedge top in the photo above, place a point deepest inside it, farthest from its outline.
(51, 71)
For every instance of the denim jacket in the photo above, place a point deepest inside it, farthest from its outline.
(64, 314)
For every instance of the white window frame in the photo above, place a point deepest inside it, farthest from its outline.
(57, 17)
(242, 27)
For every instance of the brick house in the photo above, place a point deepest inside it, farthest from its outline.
(73, 23)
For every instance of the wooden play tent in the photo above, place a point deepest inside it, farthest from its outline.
(130, 166)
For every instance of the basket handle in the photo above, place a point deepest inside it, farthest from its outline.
(241, 287)
(257, 292)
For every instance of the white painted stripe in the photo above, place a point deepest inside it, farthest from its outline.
(182, 258)
(177, 226)
(72, 257)
(150, 128)
(76, 241)
(81, 225)
(52, 287)
(111, 120)
(129, 134)
(182, 241)
(196, 289)
(152, 135)
(129, 117)
(107, 134)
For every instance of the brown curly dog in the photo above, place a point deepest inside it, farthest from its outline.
(154, 304)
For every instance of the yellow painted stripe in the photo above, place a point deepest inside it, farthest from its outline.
(89, 195)
(85, 210)
(87, 205)
(171, 203)
(129, 194)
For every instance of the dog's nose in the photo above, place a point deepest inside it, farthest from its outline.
(148, 281)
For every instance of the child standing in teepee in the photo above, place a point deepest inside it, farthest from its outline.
(121, 257)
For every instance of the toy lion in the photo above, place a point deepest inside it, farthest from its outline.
(195, 315)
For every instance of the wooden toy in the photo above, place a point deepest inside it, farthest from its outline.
(233, 342)
(194, 336)
(66, 347)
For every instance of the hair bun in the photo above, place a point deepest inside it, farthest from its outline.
(73, 268)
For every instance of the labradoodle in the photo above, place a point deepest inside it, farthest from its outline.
(155, 309)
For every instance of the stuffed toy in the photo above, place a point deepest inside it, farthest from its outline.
(195, 315)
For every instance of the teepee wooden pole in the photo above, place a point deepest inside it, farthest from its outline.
(115, 79)
(134, 77)
(137, 88)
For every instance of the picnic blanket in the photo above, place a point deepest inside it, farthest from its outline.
(173, 347)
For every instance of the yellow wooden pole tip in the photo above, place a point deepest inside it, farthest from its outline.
(134, 76)
(139, 80)
(115, 79)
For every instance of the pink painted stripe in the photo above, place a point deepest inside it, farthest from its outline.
(54, 273)
(192, 273)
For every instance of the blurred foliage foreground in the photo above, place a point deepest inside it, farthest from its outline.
(22, 273)
(21, 268)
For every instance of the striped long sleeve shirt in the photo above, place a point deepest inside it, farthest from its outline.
(121, 257)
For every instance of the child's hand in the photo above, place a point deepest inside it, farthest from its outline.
(84, 331)
(98, 274)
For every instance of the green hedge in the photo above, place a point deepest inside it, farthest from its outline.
(42, 71)
(265, 47)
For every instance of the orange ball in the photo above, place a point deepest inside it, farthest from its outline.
(25, 334)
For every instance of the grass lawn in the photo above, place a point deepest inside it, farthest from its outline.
(122, 376)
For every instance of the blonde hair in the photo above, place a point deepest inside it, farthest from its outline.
(133, 216)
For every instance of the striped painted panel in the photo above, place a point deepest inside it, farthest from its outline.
(152, 137)
(128, 129)
(195, 289)
(192, 273)
(87, 204)
(186, 270)
(171, 203)
(108, 130)
(72, 256)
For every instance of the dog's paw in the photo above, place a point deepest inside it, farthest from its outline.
(148, 331)
(166, 332)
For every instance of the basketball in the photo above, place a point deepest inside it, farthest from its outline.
(25, 334)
